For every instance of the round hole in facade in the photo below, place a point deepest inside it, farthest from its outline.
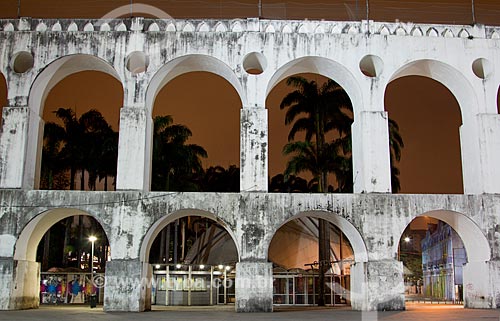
(482, 68)
(255, 63)
(137, 62)
(22, 62)
(371, 66)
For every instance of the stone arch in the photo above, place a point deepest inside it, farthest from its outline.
(324, 67)
(31, 234)
(26, 276)
(187, 64)
(475, 242)
(156, 228)
(61, 68)
(461, 88)
(448, 76)
(350, 231)
(45, 81)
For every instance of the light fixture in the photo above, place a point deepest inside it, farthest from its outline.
(228, 268)
(407, 239)
(221, 266)
(178, 266)
(202, 266)
(157, 266)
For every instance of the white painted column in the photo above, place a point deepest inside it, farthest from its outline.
(19, 154)
(370, 152)
(377, 286)
(254, 150)
(125, 288)
(254, 287)
(481, 285)
(489, 151)
(134, 149)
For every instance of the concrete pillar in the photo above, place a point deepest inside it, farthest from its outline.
(482, 285)
(489, 149)
(125, 288)
(6, 275)
(13, 146)
(254, 287)
(377, 286)
(254, 150)
(134, 150)
(370, 152)
(20, 284)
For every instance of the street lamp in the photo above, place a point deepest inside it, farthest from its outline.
(92, 239)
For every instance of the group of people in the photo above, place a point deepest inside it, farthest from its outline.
(56, 290)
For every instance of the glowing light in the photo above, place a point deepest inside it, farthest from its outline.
(157, 266)
(407, 239)
(92, 238)
(178, 266)
(221, 266)
(202, 266)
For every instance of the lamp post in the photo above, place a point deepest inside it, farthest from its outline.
(92, 239)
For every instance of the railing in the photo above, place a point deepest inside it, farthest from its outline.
(250, 25)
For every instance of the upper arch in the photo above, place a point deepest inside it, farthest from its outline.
(445, 74)
(160, 224)
(31, 235)
(61, 68)
(352, 234)
(186, 64)
(324, 67)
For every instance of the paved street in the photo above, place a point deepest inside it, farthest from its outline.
(414, 312)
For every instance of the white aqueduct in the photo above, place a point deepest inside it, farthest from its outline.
(145, 54)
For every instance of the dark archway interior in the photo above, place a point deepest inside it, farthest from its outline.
(66, 246)
(278, 133)
(429, 119)
(193, 240)
(209, 107)
(433, 256)
(81, 93)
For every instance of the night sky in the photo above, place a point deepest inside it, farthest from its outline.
(427, 113)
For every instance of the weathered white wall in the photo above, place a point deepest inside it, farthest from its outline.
(130, 217)
(463, 58)
(373, 224)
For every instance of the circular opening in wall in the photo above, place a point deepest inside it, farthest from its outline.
(254, 63)
(137, 62)
(22, 62)
(371, 66)
(482, 68)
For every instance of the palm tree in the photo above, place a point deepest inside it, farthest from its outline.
(316, 111)
(52, 145)
(176, 165)
(220, 179)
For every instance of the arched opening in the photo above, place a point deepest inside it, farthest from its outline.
(77, 99)
(92, 101)
(294, 106)
(294, 252)
(429, 118)
(195, 103)
(435, 249)
(193, 258)
(61, 255)
(3, 93)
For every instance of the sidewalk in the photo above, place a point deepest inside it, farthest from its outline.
(415, 312)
